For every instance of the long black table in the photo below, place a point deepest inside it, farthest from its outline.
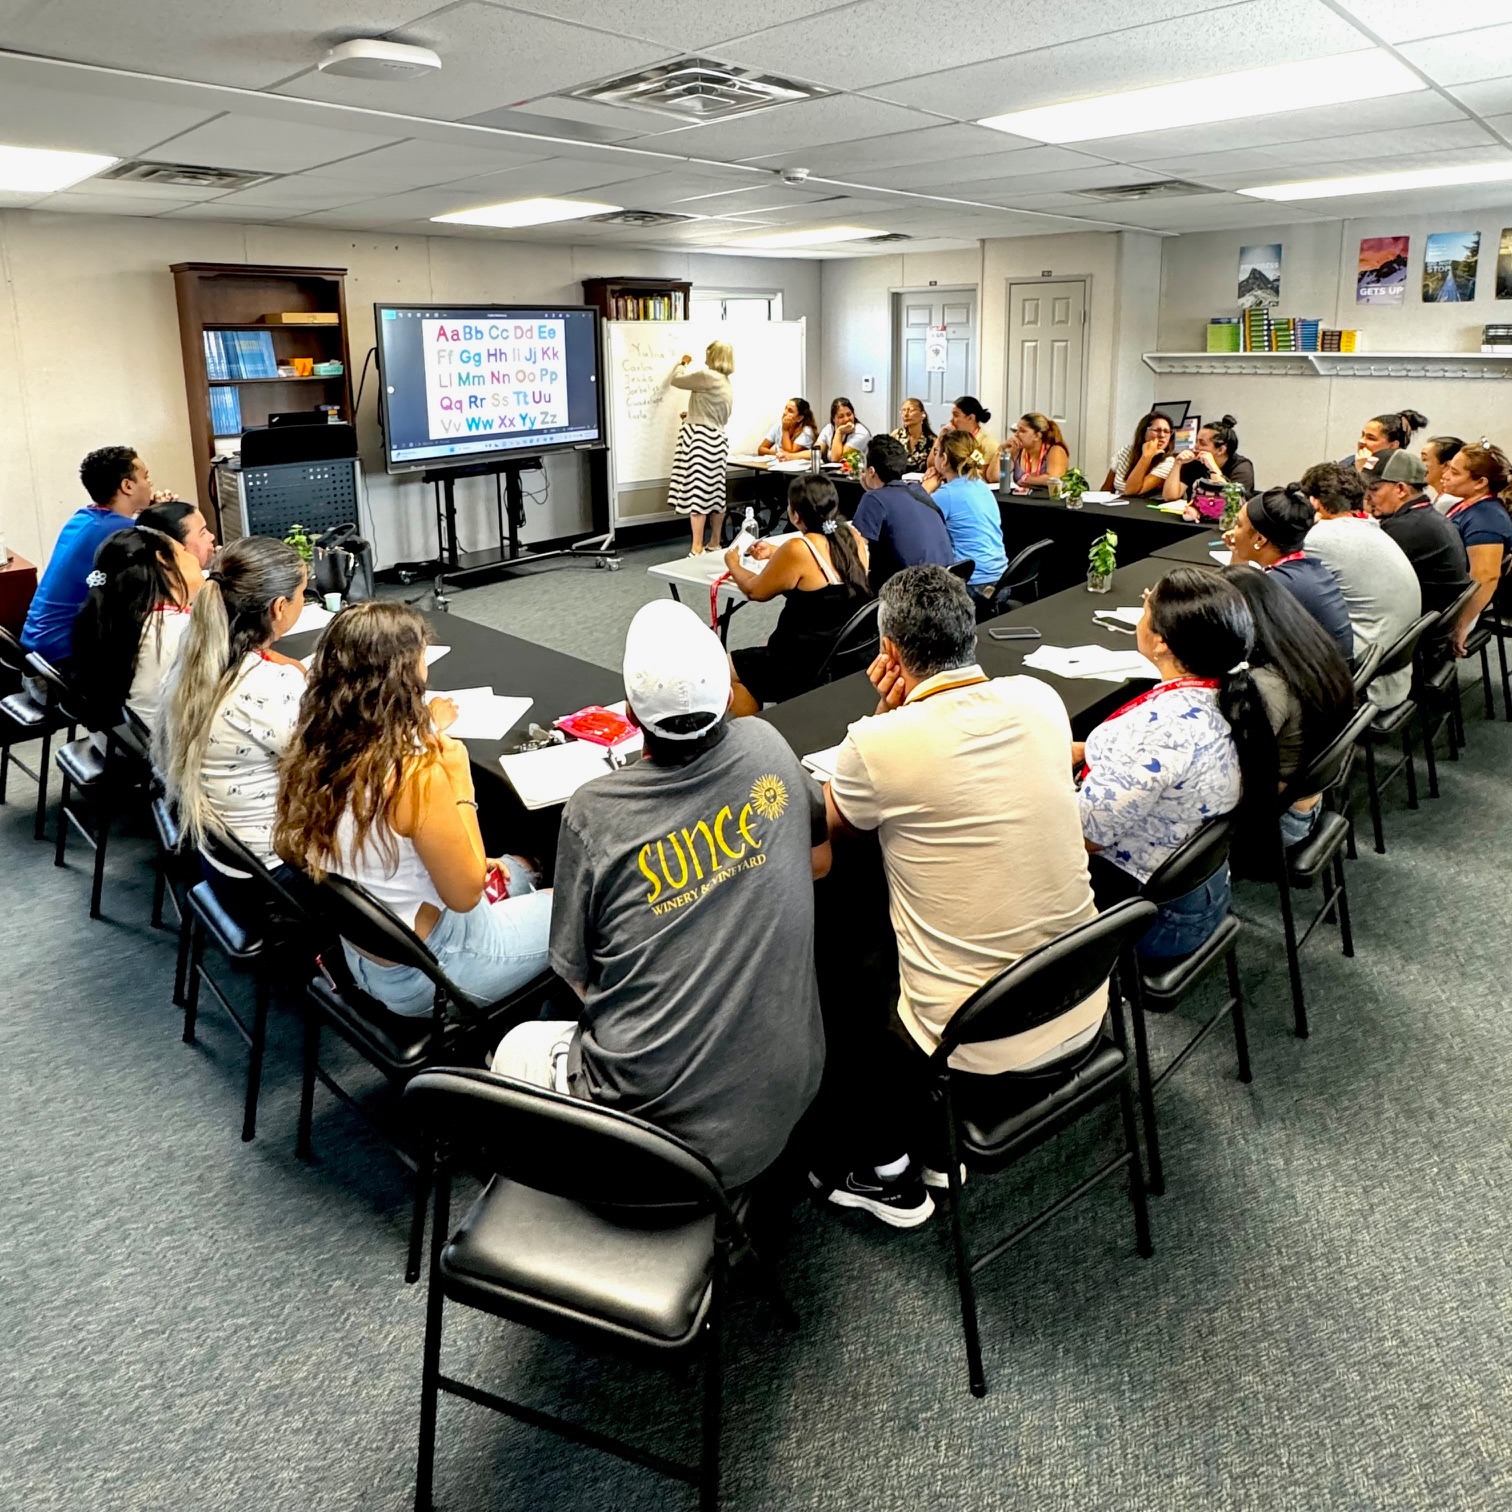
(1195, 552)
(1141, 531)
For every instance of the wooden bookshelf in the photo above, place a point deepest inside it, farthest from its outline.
(639, 298)
(237, 297)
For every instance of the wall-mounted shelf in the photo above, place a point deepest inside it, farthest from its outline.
(1333, 364)
(308, 378)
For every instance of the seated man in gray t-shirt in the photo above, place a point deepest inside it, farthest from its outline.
(684, 917)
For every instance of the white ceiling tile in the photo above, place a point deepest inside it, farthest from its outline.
(843, 51)
(108, 204)
(300, 192)
(222, 210)
(491, 57)
(559, 176)
(1406, 20)
(1255, 33)
(805, 126)
(213, 41)
(1487, 98)
(115, 189)
(419, 164)
(1199, 165)
(266, 146)
(87, 120)
(953, 143)
(589, 120)
(674, 23)
(1466, 57)
(1026, 162)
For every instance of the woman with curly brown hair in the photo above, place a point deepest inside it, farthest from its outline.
(374, 790)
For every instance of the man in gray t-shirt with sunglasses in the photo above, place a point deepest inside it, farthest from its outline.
(684, 917)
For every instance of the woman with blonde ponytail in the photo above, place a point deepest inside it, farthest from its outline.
(232, 701)
(972, 516)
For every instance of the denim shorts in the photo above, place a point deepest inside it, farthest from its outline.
(488, 951)
(1298, 824)
(1184, 923)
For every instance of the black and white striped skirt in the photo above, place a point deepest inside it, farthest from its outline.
(699, 484)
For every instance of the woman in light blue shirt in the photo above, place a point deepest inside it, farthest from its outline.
(793, 435)
(970, 508)
(843, 433)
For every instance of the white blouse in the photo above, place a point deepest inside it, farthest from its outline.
(162, 631)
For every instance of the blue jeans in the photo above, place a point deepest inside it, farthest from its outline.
(1184, 923)
(488, 951)
(1296, 825)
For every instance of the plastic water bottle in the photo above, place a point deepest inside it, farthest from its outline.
(748, 526)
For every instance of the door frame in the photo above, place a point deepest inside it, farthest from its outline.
(896, 294)
(1009, 285)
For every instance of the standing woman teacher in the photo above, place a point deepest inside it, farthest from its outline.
(699, 485)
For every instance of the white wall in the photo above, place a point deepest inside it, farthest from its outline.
(89, 350)
(1124, 270)
(1286, 424)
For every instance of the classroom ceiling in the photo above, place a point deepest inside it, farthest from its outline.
(891, 145)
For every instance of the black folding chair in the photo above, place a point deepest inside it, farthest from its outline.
(1437, 688)
(397, 1044)
(1019, 582)
(855, 645)
(23, 719)
(1495, 622)
(1394, 724)
(993, 1121)
(1365, 667)
(1319, 858)
(594, 1226)
(275, 941)
(1159, 986)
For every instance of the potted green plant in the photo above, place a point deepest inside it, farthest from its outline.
(1073, 484)
(1101, 560)
(1233, 502)
(302, 542)
(854, 463)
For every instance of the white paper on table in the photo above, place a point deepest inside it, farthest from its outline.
(1223, 558)
(482, 714)
(748, 459)
(1124, 615)
(311, 617)
(554, 773)
(822, 763)
(1100, 662)
(799, 465)
(433, 654)
(1175, 507)
(1101, 496)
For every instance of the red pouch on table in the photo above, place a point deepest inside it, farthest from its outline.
(597, 725)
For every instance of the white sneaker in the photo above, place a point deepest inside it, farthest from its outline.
(940, 1180)
(900, 1203)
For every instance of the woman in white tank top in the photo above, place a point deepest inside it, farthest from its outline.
(375, 791)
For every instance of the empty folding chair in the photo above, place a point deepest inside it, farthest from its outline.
(1437, 688)
(23, 719)
(1393, 724)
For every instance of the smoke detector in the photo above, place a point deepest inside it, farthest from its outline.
(368, 58)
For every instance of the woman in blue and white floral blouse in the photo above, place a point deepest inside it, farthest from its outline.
(1196, 745)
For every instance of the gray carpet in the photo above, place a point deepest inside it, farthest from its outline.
(195, 1323)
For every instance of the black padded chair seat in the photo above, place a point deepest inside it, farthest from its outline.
(1307, 861)
(165, 822)
(552, 1262)
(82, 762)
(995, 1113)
(1389, 723)
(1164, 983)
(1478, 637)
(238, 944)
(393, 1041)
(26, 713)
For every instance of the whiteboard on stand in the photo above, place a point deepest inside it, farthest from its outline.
(645, 410)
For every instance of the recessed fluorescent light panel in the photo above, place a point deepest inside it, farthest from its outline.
(526, 212)
(41, 170)
(822, 236)
(1227, 97)
(1384, 183)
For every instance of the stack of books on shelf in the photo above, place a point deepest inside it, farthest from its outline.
(648, 307)
(239, 354)
(1496, 340)
(1257, 329)
(1339, 341)
(1223, 333)
(225, 411)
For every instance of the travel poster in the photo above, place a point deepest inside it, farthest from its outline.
(1260, 276)
(1449, 266)
(1382, 275)
(1504, 266)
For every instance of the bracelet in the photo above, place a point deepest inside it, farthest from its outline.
(470, 802)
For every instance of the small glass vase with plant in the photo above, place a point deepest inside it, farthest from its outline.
(853, 462)
(302, 541)
(1073, 484)
(1233, 502)
(1101, 560)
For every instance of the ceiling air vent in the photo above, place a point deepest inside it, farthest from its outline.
(696, 89)
(637, 218)
(1156, 189)
(186, 175)
(888, 236)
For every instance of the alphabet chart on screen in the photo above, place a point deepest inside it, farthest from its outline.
(462, 382)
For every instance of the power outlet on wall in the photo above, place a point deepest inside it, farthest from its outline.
(868, 384)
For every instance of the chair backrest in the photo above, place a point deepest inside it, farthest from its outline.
(1365, 668)
(1024, 570)
(1331, 765)
(12, 653)
(60, 692)
(1400, 652)
(227, 850)
(1050, 980)
(563, 1145)
(855, 645)
(1192, 863)
(962, 569)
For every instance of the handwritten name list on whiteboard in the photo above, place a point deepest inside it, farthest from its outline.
(494, 375)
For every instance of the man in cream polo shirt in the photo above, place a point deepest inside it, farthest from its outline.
(967, 781)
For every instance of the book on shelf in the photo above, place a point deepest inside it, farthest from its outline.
(225, 410)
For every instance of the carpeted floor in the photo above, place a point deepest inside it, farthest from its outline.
(197, 1324)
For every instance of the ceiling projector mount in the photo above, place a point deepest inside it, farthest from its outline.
(367, 58)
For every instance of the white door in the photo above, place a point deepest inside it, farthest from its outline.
(1047, 334)
(914, 375)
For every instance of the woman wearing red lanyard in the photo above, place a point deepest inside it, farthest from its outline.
(1196, 745)
(1480, 477)
(232, 701)
(1038, 452)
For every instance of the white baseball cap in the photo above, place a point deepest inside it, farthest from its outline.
(674, 664)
